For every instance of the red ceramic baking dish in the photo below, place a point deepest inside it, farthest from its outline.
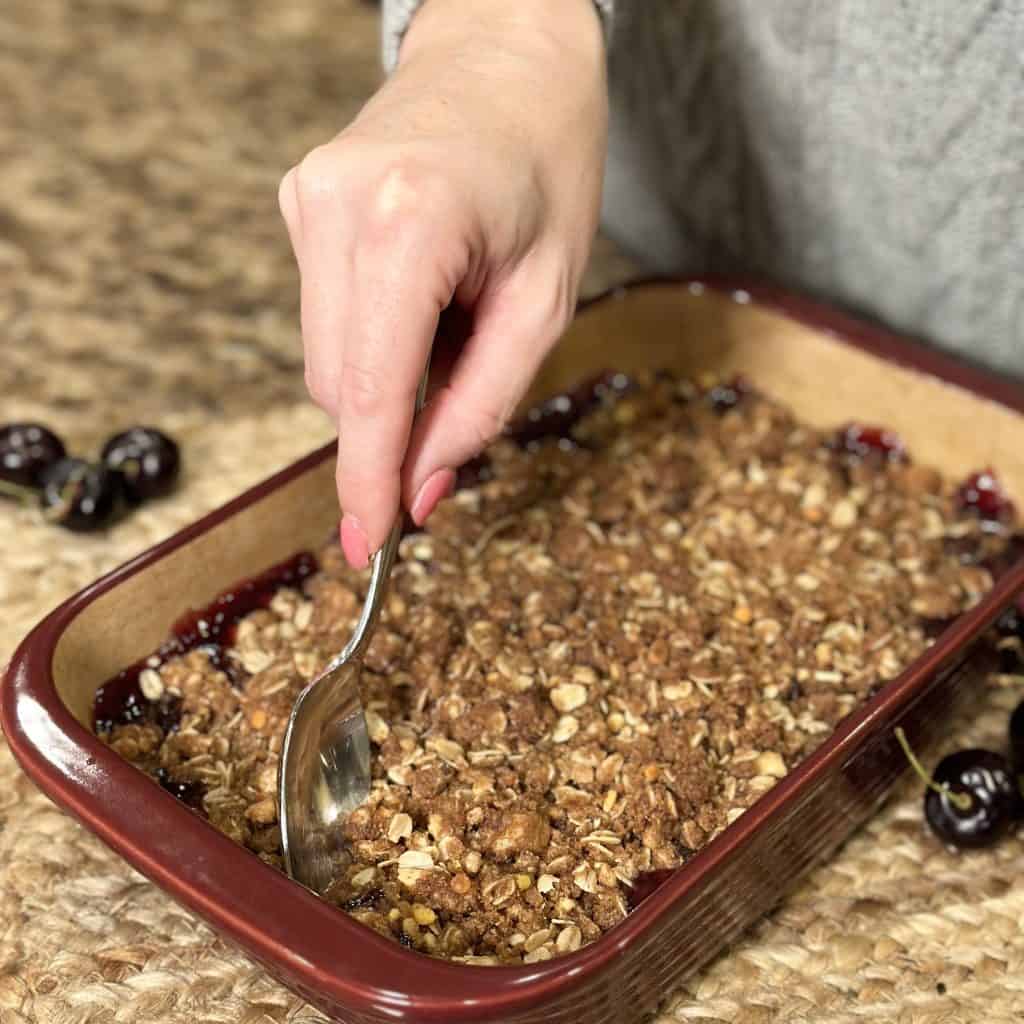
(829, 369)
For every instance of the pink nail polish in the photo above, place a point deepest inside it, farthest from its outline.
(438, 485)
(354, 542)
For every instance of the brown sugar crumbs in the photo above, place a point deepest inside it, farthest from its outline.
(600, 652)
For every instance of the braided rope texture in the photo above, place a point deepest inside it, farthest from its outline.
(147, 279)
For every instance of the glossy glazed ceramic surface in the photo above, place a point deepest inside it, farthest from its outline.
(828, 368)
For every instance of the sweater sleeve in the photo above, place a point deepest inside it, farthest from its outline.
(398, 13)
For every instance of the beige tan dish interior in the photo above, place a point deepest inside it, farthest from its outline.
(688, 328)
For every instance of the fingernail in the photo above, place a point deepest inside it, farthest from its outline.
(438, 485)
(354, 542)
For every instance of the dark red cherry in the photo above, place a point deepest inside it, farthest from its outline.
(27, 450)
(1017, 741)
(80, 495)
(974, 801)
(148, 460)
(864, 442)
(1009, 658)
(473, 473)
(983, 494)
(610, 385)
(645, 884)
(361, 901)
(556, 417)
(188, 791)
(1010, 645)
(119, 702)
(1011, 623)
(727, 395)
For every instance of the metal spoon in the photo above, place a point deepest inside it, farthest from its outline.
(325, 761)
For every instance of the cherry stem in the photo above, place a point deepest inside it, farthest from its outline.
(959, 800)
(23, 494)
(56, 512)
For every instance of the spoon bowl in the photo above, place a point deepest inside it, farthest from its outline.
(324, 771)
(325, 760)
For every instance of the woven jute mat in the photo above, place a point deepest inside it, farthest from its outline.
(144, 276)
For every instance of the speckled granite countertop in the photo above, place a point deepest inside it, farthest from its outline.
(145, 276)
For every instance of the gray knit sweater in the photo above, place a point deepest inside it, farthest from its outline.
(869, 152)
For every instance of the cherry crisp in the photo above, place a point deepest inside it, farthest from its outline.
(638, 612)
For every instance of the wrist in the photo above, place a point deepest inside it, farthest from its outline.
(566, 29)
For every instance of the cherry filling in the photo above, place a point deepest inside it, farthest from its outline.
(863, 442)
(188, 791)
(475, 472)
(727, 395)
(554, 419)
(983, 494)
(646, 884)
(362, 900)
(120, 700)
(558, 416)
(215, 624)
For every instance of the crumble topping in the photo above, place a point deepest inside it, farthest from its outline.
(599, 653)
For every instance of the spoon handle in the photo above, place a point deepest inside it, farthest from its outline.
(382, 562)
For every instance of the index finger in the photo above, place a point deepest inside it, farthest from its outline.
(384, 354)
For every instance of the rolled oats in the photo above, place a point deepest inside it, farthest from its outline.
(399, 828)
(412, 865)
(377, 729)
(568, 696)
(151, 685)
(570, 938)
(770, 763)
(547, 884)
(363, 878)
(566, 727)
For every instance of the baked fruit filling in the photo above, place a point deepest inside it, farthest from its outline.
(639, 611)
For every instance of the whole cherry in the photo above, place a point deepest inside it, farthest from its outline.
(27, 450)
(147, 459)
(972, 800)
(80, 495)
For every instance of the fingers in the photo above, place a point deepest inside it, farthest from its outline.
(384, 354)
(322, 304)
(288, 203)
(323, 236)
(379, 261)
(514, 330)
(406, 264)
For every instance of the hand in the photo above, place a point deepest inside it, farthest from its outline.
(472, 177)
